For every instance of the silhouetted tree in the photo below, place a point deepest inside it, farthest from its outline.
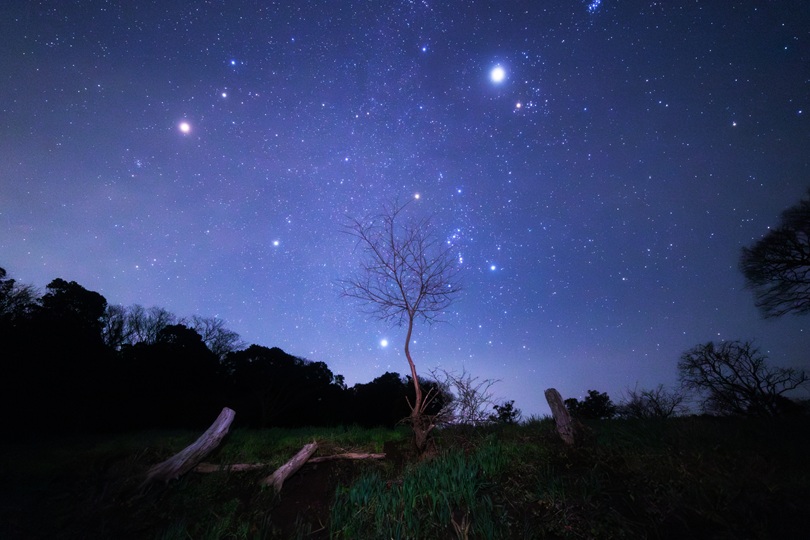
(274, 388)
(506, 413)
(217, 338)
(733, 378)
(113, 326)
(64, 365)
(380, 402)
(173, 382)
(144, 325)
(655, 403)
(71, 304)
(20, 364)
(384, 400)
(595, 406)
(777, 267)
(16, 300)
(406, 273)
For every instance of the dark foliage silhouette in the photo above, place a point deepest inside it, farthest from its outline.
(734, 378)
(652, 403)
(506, 413)
(595, 406)
(70, 362)
(777, 267)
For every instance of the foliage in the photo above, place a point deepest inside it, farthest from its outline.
(652, 403)
(733, 378)
(433, 498)
(777, 267)
(506, 413)
(595, 406)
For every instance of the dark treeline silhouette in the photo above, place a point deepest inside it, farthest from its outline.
(70, 362)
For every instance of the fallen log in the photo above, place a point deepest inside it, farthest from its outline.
(276, 480)
(205, 468)
(236, 467)
(186, 459)
(348, 455)
(565, 424)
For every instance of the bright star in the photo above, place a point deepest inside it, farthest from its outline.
(184, 127)
(383, 343)
(498, 74)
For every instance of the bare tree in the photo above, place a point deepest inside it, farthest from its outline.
(114, 322)
(406, 273)
(472, 397)
(654, 403)
(217, 338)
(734, 378)
(777, 267)
(16, 300)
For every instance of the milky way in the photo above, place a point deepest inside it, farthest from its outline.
(204, 156)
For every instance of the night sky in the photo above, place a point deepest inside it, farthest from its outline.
(597, 165)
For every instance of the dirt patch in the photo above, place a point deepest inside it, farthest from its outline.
(306, 498)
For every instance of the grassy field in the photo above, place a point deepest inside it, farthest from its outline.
(681, 478)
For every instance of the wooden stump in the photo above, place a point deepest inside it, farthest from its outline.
(288, 469)
(190, 456)
(563, 420)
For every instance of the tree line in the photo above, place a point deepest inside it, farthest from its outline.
(70, 361)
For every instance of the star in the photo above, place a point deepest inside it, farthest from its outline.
(184, 127)
(497, 75)
(383, 343)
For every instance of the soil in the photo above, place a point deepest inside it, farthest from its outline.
(306, 497)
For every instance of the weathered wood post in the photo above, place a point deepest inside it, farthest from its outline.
(563, 420)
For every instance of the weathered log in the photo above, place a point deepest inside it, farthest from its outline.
(276, 480)
(186, 459)
(236, 467)
(348, 455)
(241, 467)
(563, 420)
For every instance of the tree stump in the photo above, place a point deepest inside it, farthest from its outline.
(565, 425)
(288, 469)
(185, 460)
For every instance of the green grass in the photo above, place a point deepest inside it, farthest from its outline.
(443, 494)
(680, 478)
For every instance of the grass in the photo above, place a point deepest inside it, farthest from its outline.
(681, 478)
(447, 492)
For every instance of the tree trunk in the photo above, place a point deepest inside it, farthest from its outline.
(420, 424)
(416, 408)
(565, 425)
(288, 469)
(186, 459)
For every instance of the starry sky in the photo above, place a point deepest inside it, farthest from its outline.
(597, 165)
